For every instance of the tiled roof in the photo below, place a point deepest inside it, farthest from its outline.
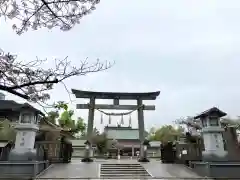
(155, 143)
(210, 111)
(78, 142)
(122, 134)
(14, 106)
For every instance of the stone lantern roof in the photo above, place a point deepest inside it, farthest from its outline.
(209, 112)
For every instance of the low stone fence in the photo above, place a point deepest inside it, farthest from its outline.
(223, 170)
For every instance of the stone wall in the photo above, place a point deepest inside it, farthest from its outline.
(22, 170)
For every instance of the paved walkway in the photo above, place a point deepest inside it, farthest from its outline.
(77, 169)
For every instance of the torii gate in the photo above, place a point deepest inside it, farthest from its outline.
(116, 96)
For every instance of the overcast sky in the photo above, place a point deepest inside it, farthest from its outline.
(189, 50)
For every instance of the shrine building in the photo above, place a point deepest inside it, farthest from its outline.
(128, 140)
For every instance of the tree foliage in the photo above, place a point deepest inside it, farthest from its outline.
(189, 122)
(52, 116)
(7, 132)
(165, 133)
(195, 123)
(80, 126)
(30, 81)
(231, 122)
(36, 14)
(101, 142)
(65, 119)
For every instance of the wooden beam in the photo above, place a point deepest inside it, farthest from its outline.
(116, 107)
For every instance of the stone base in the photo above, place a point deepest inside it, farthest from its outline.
(87, 160)
(143, 160)
(213, 156)
(22, 154)
(223, 170)
(22, 170)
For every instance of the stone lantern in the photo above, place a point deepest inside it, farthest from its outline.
(212, 133)
(26, 129)
(88, 148)
(145, 145)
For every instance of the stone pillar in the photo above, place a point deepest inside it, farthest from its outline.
(141, 127)
(90, 125)
(132, 151)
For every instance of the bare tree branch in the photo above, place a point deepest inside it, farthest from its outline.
(37, 14)
(31, 82)
(34, 83)
(7, 89)
(188, 121)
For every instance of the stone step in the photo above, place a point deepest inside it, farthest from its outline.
(125, 176)
(123, 170)
(129, 172)
(136, 170)
(122, 167)
(119, 164)
(129, 175)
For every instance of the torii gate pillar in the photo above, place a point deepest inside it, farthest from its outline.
(90, 118)
(141, 126)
